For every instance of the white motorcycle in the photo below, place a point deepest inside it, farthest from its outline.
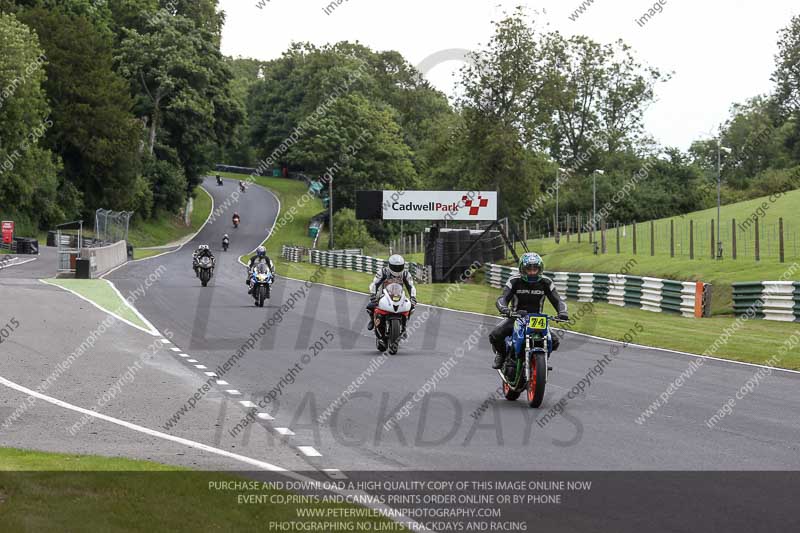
(391, 316)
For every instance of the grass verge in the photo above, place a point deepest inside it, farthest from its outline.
(168, 228)
(103, 295)
(56, 492)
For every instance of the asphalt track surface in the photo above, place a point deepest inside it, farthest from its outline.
(445, 430)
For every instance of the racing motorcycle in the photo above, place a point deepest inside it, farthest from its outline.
(391, 315)
(236, 222)
(225, 243)
(219, 180)
(242, 187)
(205, 270)
(528, 352)
(261, 280)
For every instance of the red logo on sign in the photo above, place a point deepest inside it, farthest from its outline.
(474, 209)
(8, 231)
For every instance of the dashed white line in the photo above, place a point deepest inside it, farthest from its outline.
(184, 355)
(247, 404)
(201, 367)
(309, 451)
(165, 341)
(192, 361)
(210, 374)
(265, 416)
(233, 392)
(220, 382)
(285, 431)
(174, 349)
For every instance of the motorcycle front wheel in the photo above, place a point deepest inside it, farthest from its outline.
(538, 380)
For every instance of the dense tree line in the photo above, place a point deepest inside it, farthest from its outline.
(133, 99)
(124, 104)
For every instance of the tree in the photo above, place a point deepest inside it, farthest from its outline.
(29, 181)
(787, 78)
(350, 232)
(94, 130)
(182, 87)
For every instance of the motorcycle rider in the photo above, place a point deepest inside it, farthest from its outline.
(261, 255)
(241, 185)
(226, 241)
(219, 179)
(396, 271)
(525, 291)
(235, 218)
(202, 251)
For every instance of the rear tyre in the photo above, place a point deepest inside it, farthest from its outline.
(538, 380)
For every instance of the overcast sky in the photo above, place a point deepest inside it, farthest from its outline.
(721, 52)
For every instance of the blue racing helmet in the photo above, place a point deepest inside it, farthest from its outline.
(531, 267)
(261, 251)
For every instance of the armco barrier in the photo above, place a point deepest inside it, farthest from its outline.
(363, 263)
(105, 258)
(770, 300)
(690, 298)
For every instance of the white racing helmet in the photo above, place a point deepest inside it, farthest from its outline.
(397, 265)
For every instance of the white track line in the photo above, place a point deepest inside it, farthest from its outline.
(284, 431)
(383, 509)
(153, 330)
(247, 404)
(147, 431)
(98, 306)
(222, 382)
(18, 263)
(265, 416)
(309, 451)
(642, 346)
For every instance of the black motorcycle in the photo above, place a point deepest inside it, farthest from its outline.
(219, 180)
(205, 270)
(225, 243)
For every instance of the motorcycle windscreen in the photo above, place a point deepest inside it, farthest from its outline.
(395, 291)
(262, 268)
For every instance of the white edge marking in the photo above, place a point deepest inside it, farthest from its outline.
(265, 416)
(165, 341)
(233, 392)
(153, 330)
(101, 308)
(383, 509)
(309, 451)
(611, 341)
(247, 404)
(222, 382)
(201, 367)
(187, 241)
(18, 263)
(147, 431)
(285, 431)
(210, 374)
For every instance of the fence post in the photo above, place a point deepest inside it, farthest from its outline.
(780, 238)
(603, 237)
(579, 227)
(652, 239)
(758, 243)
(617, 237)
(733, 238)
(569, 227)
(713, 255)
(671, 238)
(634, 237)
(691, 239)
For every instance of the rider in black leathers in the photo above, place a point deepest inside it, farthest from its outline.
(525, 291)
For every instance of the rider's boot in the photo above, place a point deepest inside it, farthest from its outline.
(371, 324)
(499, 359)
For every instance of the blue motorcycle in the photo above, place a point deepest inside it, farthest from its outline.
(261, 280)
(527, 352)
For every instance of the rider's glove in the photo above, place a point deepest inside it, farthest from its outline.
(413, 301)
(374, 298)
(563, 316)
(505, 311)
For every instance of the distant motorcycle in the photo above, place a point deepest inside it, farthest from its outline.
(242, 187)
(261, 281)
(225, 243)
(236, 222)
(206, 270)
(391, 316)
(219, 180)
(528, 352)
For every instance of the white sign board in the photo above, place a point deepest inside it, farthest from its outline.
(440, 205)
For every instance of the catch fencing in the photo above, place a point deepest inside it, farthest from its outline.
(690, 298)
(769, 300)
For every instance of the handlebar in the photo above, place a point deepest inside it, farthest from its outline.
(523, 315)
